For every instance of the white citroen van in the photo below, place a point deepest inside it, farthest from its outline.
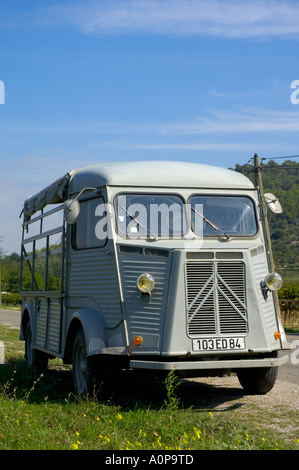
(151, 265)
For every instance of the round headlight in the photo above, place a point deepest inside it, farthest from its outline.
(273, 281)
(146, 283)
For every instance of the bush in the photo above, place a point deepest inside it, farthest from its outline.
(11, 299)
(289, 292)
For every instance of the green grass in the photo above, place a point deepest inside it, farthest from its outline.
(40, 412)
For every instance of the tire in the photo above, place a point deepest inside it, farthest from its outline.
(34, 358)
(83, 367)
(258, 381)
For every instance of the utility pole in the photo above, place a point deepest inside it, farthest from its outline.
(259, 183)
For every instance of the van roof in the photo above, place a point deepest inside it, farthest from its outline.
(141, 174)
(158, 174)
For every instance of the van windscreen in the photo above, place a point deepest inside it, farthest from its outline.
(223, 215)
(150, 215)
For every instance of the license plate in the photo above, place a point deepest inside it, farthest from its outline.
(218, 344)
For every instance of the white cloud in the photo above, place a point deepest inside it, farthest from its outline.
(248, 121)
(240, 120)
(257, 19)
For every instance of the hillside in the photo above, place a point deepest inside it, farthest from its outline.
(283, 181)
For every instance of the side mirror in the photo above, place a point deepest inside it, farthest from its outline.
(273, 203)
(71, 210)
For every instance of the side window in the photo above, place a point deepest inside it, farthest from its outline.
(42, 252)
(85, 233)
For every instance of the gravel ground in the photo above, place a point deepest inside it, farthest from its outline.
(227, 393)
(277, 411)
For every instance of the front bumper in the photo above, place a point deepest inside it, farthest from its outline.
(208, 365)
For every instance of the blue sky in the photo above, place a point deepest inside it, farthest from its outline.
(87, 82)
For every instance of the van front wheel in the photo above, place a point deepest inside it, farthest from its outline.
(258, 381)
(83, 367)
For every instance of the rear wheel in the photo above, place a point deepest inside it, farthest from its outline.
(34, 358)
(83, 367)
(258, 381)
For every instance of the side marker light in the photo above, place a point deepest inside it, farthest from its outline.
(138, 340)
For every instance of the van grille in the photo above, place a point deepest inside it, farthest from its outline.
(216, 300)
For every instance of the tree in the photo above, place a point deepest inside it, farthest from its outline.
(283, 181)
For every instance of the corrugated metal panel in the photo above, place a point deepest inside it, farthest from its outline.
(41, 323)
(260, 272)
(216, 298)
(53, 336)
(48, 320)
(92, 274)
(144, 314)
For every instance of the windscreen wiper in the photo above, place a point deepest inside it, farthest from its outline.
(211, 224)
(137, 222)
